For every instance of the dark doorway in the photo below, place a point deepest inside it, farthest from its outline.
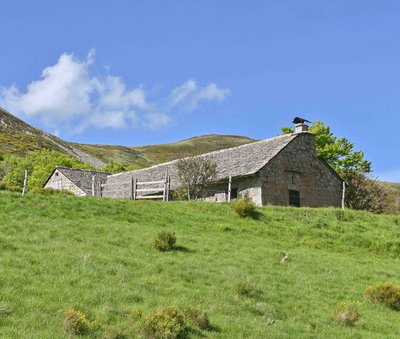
(294, 198)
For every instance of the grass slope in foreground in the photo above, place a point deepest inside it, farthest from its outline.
(96, 256)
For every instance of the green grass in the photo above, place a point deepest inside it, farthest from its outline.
(97, 256)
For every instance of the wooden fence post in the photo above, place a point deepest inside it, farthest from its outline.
(229, 189)
(25, 182)
(165, 187)
(93, 182)
(343, 194)
(168, 186)
(134, 184)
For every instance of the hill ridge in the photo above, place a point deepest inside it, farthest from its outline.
(15, 128)
(19, 138)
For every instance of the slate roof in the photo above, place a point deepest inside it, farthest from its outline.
(81, 178)
(237, 161)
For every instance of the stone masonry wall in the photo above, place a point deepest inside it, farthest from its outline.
(61, 182)
(250, 187)
(297, 167)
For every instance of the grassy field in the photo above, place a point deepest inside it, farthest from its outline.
(96, 256)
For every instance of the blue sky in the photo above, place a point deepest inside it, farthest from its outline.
(147, 72)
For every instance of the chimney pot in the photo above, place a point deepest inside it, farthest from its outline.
(301, 128)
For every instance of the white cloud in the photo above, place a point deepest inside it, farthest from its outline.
(189, 94)
(155, 120)
(113, 119)
(113, 93)
(68, 97)
(183, 92)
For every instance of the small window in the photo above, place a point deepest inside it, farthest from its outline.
(294, 198)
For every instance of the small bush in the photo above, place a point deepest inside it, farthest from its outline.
(165, 241)
(75, 322)
(2, 186)
(346, 313)
(179, 194)
(244, 288)
(385, 293)
(244, 207)
(168, 323)
(198, 318)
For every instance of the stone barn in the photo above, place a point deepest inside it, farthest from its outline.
(284, 170)
(78, 181)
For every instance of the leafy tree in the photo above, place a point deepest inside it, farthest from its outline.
(12, 170)
(338, 152)
(195, 174)
(39, 164)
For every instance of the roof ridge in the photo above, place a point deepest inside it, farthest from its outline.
(293, 135)
(80, 169)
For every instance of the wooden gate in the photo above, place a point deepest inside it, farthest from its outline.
(151, 189)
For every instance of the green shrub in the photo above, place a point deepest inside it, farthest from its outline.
(75, 322)
(179, 194)
(244, 207)
(2, 186)
(385, 293)
(165, 241)
(346, 313)
(168, 323)
(198, 318)
(244, 288)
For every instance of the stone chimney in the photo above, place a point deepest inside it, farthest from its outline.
(300, 128)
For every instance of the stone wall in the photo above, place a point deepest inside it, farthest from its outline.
(60, 182)
(119, 186)
(297, 167)
(246, 187)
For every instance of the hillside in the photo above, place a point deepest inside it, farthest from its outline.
(144, 156)
(19, 138)
(96, 256)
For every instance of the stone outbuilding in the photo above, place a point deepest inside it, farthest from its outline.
(78, 181)
(284, 170)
